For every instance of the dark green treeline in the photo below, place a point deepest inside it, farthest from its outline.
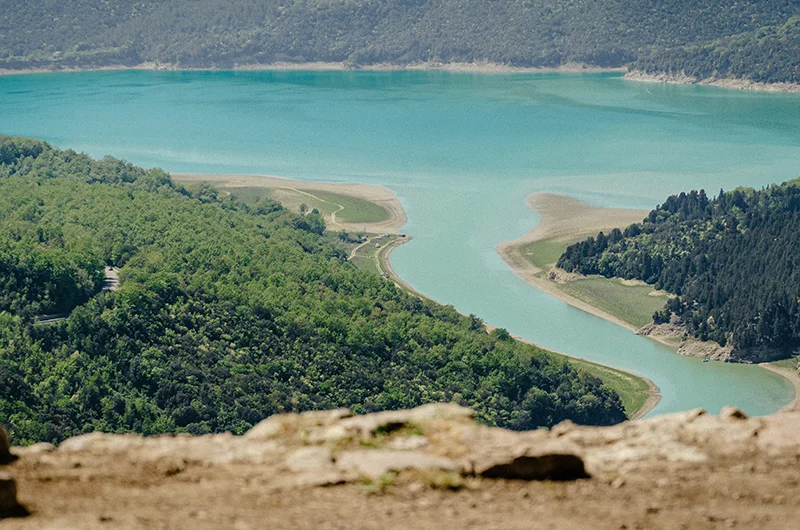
(733, 261)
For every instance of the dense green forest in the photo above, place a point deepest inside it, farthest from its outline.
(745, 38)
(733, 261)
(766, 55)
(227, 313)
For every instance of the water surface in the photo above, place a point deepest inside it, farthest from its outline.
(462, 151)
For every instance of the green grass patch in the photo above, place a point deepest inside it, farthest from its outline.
(631, 389)
(632, 304)
(292, 199)
(248, 195)
(355, 210)
(544, 253)
(790, 363)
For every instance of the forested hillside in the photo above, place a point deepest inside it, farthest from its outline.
(745, 38)
(767, 55)
(226, 314)
(733, 261)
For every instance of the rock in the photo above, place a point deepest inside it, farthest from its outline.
(101, 442)
(289, 425)
(563, 428)
(367, 426)
(311, 466)
(406, 443)
(374, 463)
(5, 450)
(35, 449)
(309, 460)
(781, 434)
(545, 466)
(9, 507)
(732, 413)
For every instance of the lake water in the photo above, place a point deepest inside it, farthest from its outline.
(462, 151)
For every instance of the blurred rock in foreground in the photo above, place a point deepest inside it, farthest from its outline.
(429, 467)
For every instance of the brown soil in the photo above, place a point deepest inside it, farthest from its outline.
(678, 471)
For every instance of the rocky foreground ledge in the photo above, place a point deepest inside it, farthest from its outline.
(430, 467)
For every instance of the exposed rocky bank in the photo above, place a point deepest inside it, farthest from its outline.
(430, 467)
(681, 78)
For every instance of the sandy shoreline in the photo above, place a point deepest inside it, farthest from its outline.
(568, 220)
(793, 377)
(732, 83)
(378, 195)
(480, 67)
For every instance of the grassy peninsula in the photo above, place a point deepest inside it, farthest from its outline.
(566, 221)
(729, 260)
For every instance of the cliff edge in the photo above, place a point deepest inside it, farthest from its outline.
(429, 467)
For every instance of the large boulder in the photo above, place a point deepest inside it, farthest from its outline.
(5, 450)
(9, 507)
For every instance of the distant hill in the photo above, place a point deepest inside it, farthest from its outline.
(756, 39)
(733, 261)
(226, 314)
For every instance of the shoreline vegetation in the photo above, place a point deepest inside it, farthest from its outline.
(478, 67)
(564, 221)
(640, 395)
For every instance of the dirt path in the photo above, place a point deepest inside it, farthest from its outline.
(378, 195)
(110, 283)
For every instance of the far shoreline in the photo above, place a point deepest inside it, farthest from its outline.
(565, 219)
(478, 67)
(793, 377)
(380, 196)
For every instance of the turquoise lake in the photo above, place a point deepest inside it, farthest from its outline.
(462, 151)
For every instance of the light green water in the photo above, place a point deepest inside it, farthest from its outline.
(462, 151)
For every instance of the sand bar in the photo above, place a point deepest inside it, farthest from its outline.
(378, 195)
(566, 220)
